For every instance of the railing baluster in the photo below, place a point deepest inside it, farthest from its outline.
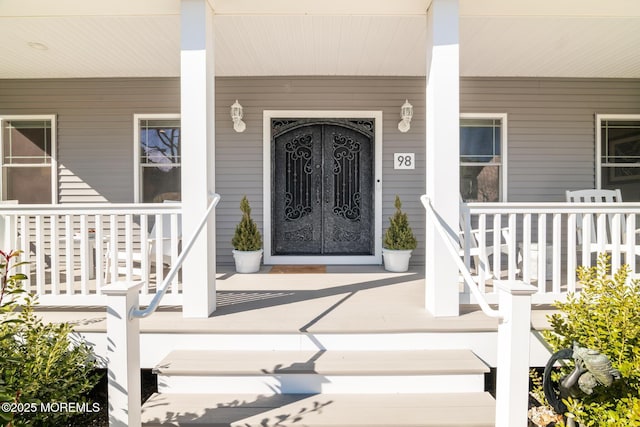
(144, 249)
(587, 230)
(497, 244)
(113, 247)
(616, 243)
(511, 247)
(128, 244)
(556, 274)
(174, 250)
(84, 255)
(467, 237)
(526, 248)
(55, 256)
(630, 252)
(39, 252)
(542, 253)
(572, 250)
(68, 231)
(99, 249)
(25, 244)
(482, 268)
(601, 232)
(159, 245)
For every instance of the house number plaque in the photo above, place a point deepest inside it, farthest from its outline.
(404, 160)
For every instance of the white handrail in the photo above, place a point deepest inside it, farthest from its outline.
(448, 236)
(155, 302)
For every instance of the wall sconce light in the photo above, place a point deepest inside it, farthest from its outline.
(406, 113)
(236, 116)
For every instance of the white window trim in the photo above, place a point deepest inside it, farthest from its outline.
(54, 148)
(598, 130)
(137, 167)
(503, 137)
(376, 258)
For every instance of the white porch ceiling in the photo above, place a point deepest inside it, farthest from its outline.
(126, 38)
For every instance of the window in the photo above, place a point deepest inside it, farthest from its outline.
(157, 150)
(482, 153)
(618, 152)
(28, 159)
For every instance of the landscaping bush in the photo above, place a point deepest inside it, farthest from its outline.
(39, 363)
(604, 316)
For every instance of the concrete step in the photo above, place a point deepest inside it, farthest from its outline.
(336, 372)
(320, 410)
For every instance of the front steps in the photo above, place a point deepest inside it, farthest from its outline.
(320, 388)
(320, 410)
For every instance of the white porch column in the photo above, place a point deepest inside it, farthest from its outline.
(197, 92)
(442, 151)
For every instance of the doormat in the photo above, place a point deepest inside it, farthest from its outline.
(298, 269)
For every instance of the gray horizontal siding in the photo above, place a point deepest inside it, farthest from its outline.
(95, 128)
(551, 125)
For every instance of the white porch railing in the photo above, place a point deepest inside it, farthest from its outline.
(73, 250)
(123, 335)
(514, 315)
(546, 242)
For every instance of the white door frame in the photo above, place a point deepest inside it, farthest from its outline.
(376, 258)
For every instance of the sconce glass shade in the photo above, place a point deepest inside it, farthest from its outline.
(236, 111)
(236, 116)
(406, 113)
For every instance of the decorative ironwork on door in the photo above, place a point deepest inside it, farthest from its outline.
(346, 177)
(298, 163)
(322, 182)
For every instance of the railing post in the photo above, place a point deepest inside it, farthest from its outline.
(123, 354)
(514, 331)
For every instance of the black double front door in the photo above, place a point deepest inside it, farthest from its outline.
(322, 187)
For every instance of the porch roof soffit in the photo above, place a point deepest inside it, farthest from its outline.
(124, 38)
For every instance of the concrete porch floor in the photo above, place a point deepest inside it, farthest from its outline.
(344, 299)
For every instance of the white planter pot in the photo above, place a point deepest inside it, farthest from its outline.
(396, 261)
(247, 261)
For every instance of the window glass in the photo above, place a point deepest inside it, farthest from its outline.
(159, 160)
(480, 160)
(620, 157)
(27, 149)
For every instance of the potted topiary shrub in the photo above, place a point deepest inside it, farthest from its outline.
(399, 241)
(247, 241)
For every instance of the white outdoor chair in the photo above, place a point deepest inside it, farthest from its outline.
(480, 257)
(600, 196)
(163, 245)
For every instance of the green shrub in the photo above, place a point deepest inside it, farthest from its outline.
(247, 236)
(399, 235)
(604, 316)
(39, 363)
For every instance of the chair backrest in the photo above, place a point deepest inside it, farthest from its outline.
(595, 196)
